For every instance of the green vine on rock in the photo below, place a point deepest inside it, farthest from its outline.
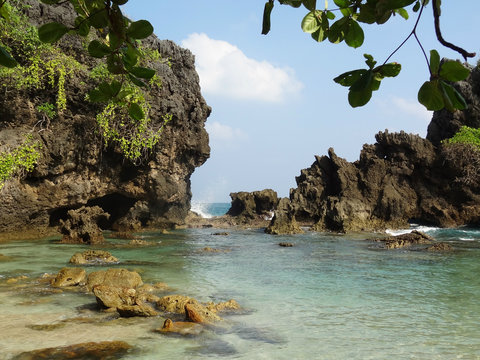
(20, 160)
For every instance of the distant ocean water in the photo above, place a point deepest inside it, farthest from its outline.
(208, 210)
(330, 296)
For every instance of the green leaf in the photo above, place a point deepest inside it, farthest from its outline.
(136, 112)
(350, 77)
(403, 13)
(430, 96)
(115, 64)
(120, 2)
(98, 49)
(267, 11)
(453, 99)
(115, 86)
(140, 29)
(142, 72)
(364, 82)
(82, 26)
(130, 56)
(330, 15)
(369, 60)
(354, 36)
(311, 22)
(385, 5)
(99, 19)
(52, 32)
(434, 62)
(96, 95)
(389, 70)
(453, 71)
(337, 31)
(293, 3)
(50, 2)
(342, 3)
(136, 81)
(114, 41)
(310, 4)
(359, 98)
(6, 59)
(416, 7)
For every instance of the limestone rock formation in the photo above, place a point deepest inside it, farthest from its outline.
(405, 240)
(70, 277)
(283, 221)
(122, 278)
(248, 206)
(82, 226)
(76, 170)
(180, 327)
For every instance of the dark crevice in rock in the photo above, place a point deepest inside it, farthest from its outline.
(116, 205)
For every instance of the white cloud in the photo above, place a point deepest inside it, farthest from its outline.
(225, 70)
(411, 108)
(218, 131)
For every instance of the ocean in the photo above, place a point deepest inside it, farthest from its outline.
(329, 296)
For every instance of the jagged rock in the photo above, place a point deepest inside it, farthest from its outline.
(70, 277)
(75, 169)
(142, 310)
(173, 303)
(283, 221)
(94, 351)
(114, 277)
(440, 247)
(405, 240)
(180, 327)
(91, 257)
(114, 297)
(198, 313)
(81, 226)
(285, 244)
(229, 305)
(248, 206)
(221, 234)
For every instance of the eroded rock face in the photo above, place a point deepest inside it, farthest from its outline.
(75, 169)
(82, 226)
(247, 206)
(93, 257)
(121, 278)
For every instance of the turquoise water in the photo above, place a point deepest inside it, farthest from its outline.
(328, 297)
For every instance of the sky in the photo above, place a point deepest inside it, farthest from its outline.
(275, 105)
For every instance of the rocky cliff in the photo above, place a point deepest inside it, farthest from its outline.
(76, 170)
(401, 178)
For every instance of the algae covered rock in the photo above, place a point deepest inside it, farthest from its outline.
(180, 327)
(70, 277)
(114, 277)
(93, 257)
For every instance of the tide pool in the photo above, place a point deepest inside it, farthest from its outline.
(327, 297)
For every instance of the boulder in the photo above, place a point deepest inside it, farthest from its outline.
(255, 205)
(226, 306)
(122, 278)
(173, 303)
(405, 240)
(198, 313)
(286, 244)
(141, 310)
(82, 226)
(92, 350)
(113, 297)
(283, 221)
(440, 247)
(93, 257)
(180, 327)
(70, 277)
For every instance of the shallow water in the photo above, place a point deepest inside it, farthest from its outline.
(328, 297)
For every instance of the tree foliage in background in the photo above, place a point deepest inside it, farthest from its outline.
(344, 24)
(123, 81)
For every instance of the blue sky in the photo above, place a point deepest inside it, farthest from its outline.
(274, 102)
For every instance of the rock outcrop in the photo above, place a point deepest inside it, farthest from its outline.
(248, 206)
(76, 170)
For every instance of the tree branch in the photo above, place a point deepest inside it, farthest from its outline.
(436, 16)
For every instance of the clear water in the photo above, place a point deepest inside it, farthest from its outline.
(328, 297)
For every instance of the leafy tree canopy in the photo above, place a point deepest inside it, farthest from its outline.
(343, 23)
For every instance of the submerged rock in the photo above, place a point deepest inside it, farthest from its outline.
(180, 327)
(405, 240)
(70, 277)
(286, 244)
(112, 296)
(139, 309)
(198, 313)
(173, 303)
(91, 257)
(105, 350)
(440, 247)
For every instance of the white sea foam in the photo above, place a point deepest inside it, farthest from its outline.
(417, 227)
(201, 209)
(467, 239)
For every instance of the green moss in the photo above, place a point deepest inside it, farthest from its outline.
(20, 160)
(466, 135)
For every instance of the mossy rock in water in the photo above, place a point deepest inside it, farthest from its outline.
(105, 350)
